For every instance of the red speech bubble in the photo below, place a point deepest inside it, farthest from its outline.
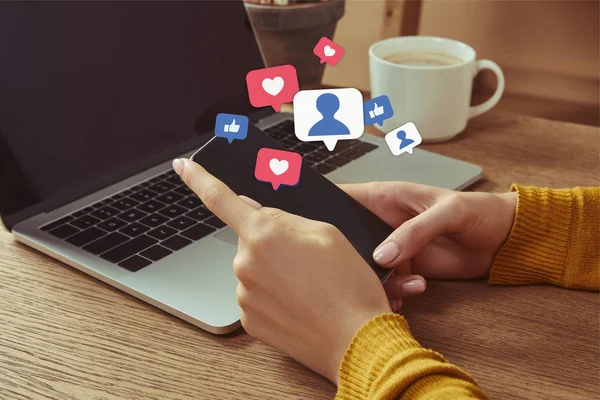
(278, 167)
(328, 51)
(272, 86)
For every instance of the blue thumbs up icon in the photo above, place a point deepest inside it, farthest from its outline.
(377, 110)
(231, 126)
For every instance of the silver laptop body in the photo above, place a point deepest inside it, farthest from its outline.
(195, 283)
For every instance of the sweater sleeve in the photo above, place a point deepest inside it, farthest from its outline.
(385, 362)
(555, 239)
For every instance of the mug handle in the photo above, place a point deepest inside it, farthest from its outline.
(492, 101)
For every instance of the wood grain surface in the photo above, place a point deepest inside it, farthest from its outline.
(64, 335)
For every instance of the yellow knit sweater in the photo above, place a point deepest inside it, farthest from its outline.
(555, 239)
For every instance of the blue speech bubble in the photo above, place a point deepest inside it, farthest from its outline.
(377, 110)
(231, 126)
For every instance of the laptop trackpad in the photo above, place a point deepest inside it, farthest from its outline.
(228, 235)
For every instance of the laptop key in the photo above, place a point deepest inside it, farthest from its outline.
(85, 222)
(128, 249)
(161, 187)
(124, 204)
(324, 168)
(155, 253)
(287, 143)
(174, 180)
(191, 202)
(87, 210)
(143, 195)
(176, 242)
(173, 211)
(277, 135)
(197, 232)
(106, 243)
(96, 205)
(184, 190)
(87, 236)
(199, 214)
(169, 198)
(154, 220)
(367, 147)
(162, 232)
(338, 161)
(304, 148)
(112, 224)
(181, 223)
(56, 224)
(134, 229)
(353, 153)
(155, 179)
(78, 214)
(137, 188)
(151, 206)
(132, 215)
(135, 263)
(215, 221)
(316, 156)
(105, 213)
(117, 197)
(345, 145)
(64, 231)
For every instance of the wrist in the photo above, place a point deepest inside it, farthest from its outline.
(352, 325)
(510, 200)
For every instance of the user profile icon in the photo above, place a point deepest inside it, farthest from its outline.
(403, 139)
(328, 115)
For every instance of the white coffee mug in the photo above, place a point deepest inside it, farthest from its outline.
(435, 97)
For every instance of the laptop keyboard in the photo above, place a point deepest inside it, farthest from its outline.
(157, 217)
(315, 154)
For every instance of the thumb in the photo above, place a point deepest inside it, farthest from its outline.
(375, 105)
(446, 217)
(233, 123)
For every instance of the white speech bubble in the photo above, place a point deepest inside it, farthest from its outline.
(347, 122)
(410, 133)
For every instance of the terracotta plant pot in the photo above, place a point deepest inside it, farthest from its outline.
(288, 33)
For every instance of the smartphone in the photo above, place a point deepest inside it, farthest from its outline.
(315, 197)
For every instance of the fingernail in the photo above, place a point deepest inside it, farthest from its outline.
(251, 202)
(386, 253)
(178, 166)
(413, 287)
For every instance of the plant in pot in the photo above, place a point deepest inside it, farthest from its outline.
(288, 30)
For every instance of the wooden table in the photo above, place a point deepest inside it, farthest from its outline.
(64, 335)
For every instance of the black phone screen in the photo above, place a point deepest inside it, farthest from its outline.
(315, 197)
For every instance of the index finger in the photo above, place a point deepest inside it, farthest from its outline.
(215, 195)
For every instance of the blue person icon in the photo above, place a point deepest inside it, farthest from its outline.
(328, 104)
(404, 141)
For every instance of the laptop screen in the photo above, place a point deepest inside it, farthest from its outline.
(89, 88)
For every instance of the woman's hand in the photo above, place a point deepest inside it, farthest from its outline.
(303, 287)
(446, 234)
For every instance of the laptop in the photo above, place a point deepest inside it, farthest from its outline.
(97, 98)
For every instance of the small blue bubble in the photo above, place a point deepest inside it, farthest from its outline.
(377, 110)
(231, 127)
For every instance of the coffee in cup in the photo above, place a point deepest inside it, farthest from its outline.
(424, 59)
(428, 81)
